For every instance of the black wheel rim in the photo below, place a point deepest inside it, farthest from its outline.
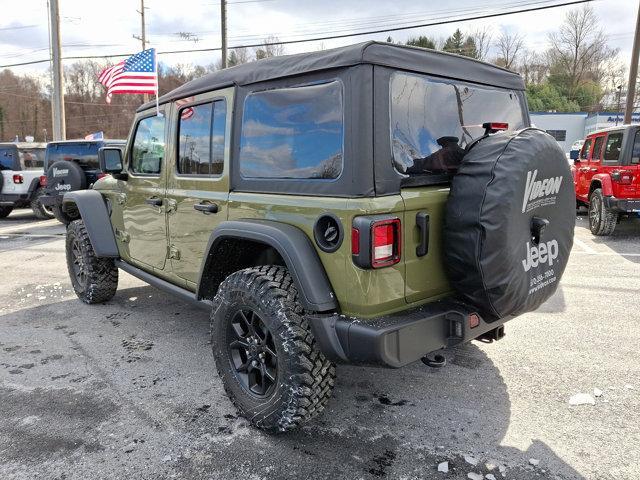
(77, 264)
(594, 211)
(252, 352)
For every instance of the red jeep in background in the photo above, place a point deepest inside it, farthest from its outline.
(607, 176)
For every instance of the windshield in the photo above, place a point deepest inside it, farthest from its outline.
(433, 120)
(85, 154)
(31, 158)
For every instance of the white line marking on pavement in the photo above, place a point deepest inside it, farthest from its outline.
(27, 226)
(611, 254)
(29, 235)
(586, 248)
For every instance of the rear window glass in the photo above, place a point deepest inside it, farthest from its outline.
(7, 158)
(432, 121)
(613, 147)
(84, 154)
(635, 157)
(31, 158)
(293, 133)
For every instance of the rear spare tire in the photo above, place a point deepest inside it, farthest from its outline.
(509, 222)
(65, 176)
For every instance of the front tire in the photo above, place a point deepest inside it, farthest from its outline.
(62, 216)
(5, 211)
(95, 280)
(602, 221)
(40, 211)
(265, 352)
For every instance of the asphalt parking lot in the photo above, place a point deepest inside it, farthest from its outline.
(128, 389)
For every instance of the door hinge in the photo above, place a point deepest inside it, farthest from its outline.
(122, 236)
(173, 253)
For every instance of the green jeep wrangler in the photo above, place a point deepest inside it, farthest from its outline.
(371, 204)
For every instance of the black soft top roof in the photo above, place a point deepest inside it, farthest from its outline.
(375, 53)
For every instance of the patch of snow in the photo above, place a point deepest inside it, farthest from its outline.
(582, 399)
(534, 461)
(471, 460)
(443, 467)
(133, 299)
(490, 476)
(597, 392)
(475, 476)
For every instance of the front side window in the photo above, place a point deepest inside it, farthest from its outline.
(294, 133)
(584, 155)
(613, 147)
(201, 139)
(597, 149)
(432, 121)
(148, 146)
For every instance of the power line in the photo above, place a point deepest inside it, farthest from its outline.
(328, 37)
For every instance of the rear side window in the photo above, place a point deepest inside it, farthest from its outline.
(293, 133)
(147, 152)
(32, 158)
(433, 120)
(201, 139)
(84, 154)
(585, 149)
(7, 158)
(613, 148)
(635, 157)
(597, 149)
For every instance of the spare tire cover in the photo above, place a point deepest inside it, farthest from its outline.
(505, 185)
(65, 176)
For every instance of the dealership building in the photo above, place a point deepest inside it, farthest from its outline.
(566, 128)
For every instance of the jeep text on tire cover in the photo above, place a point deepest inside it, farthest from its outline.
(303, 260)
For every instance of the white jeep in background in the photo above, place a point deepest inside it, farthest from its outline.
(21, 166)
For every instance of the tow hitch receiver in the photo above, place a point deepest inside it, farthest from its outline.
(492, 335)
(435, 361)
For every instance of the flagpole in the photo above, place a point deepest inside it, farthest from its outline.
(155, 58)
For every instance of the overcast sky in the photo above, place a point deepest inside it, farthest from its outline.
(90, 27)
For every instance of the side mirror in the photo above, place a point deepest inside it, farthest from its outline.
(110, 159)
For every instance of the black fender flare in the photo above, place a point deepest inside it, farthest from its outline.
(95, 214)
(295, 248)
(35, 184)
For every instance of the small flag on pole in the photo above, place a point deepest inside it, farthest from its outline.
(136, 74)
(95, 136)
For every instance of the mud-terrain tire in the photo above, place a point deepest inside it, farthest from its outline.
(40, 211)
(259, 307)
(509, 223)
(5, 211)
(62, 216)
(602, 221)
(95, 280)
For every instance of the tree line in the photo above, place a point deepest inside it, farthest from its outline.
(578, 72)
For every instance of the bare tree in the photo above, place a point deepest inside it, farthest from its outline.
(270, 48)
(579, 49)
(509, 46)
(482, 38)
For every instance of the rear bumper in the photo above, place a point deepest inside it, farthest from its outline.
(622, 204)
(51, 200)
(399, 339)
(14, 199)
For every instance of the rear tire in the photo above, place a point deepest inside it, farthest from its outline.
(265, 352)
(40, 211)
(602, 221)
(5, 211)
(62, 216)
(95, 280)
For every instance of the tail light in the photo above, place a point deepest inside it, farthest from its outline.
(622, 177)
(18, 179)
(493, 127)
(43, 180)
(376, 241)
(101, 175)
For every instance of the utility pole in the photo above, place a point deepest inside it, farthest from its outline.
(633, 72)
(143, 37)
(619, 88)
(57, 94)
(223, 28)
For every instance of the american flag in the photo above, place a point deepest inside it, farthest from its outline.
(136, 74)
(185, 113)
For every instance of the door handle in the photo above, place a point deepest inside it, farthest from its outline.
(206, 207)
(593, 169)
(155, 201)
(422, 221)
(584, 169)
